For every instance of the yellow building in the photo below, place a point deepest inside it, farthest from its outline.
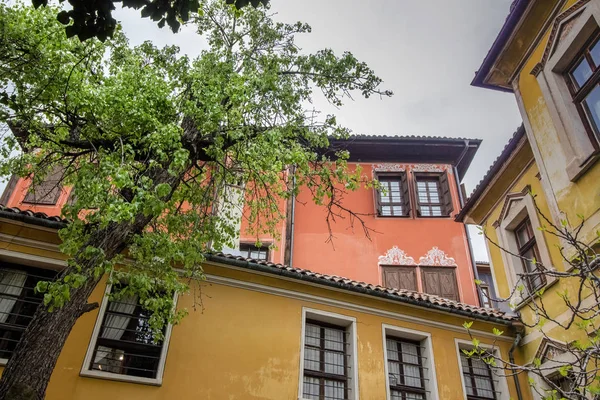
(548, 55)
(264, 331)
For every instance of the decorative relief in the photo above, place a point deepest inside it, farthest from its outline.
(389, 167)
(430, 168)
(396, 256)
(561, 28)
(435, 257)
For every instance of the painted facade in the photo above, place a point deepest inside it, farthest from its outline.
(438, 247)
(251, 340)
(539, 55)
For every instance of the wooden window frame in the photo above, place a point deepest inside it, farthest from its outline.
(321, 374)
(523, 248)
(427, 268)
(472, 375)
(27, 295)
(443, 190)
(250, 247)
(578, 94)
(49, 194)
(388, 268)
(405, 198)
(404, 389)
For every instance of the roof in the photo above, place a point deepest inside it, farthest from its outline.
(458, 152)
(517, 10)
(491, 173)
(399, 295)
(482, 262)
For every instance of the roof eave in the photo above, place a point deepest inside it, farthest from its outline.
(512, 21)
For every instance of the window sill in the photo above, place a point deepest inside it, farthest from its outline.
(528, 300)
(576, 169)
(121, 378)
(3, 362)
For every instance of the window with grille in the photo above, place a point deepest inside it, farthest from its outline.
(583, 80)
(326, 362)
(529, 252)
(251, 251)
(126, 344)
(433, 195)
(478, 378)
(393, 197)
(405, 369)
(18, 302)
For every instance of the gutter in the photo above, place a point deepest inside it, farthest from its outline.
(28, 219)
(511, 359)
(514, 16)
(343, 286)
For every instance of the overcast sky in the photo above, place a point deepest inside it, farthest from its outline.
(425, 51)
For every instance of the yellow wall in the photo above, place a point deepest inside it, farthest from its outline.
(582, 196)
(245, 344)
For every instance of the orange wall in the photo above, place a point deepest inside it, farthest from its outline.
(354, 256)
(18, 194)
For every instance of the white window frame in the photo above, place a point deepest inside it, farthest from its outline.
(343, 321)
(90, 373)
(549, 368)
(428, 364)
(502, 386)
(523, 209)
(572, 135)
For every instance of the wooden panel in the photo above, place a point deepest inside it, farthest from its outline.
(400, 277)
(440, 282)
(405, 194)
(445, 194)
(48, 191)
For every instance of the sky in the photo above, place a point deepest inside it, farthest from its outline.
(425, 51)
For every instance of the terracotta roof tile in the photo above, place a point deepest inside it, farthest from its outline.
(32, 214)
(399, 294)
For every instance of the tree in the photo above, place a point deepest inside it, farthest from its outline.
(150, 140)
(93, 18)
(573, 372)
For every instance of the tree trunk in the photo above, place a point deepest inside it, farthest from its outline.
(29, 369)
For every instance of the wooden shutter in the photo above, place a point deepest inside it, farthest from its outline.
(400, 277)
(440, 282)
(48, 191)
(415, 177)
(445, 195)
(405, 194)
(377, 199)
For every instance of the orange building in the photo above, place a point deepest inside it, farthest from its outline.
(414, 242)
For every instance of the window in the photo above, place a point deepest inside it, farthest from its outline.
(478, 378)
(409, 364)
(124, 346)
(528, 250)
(486, 286)
(393, 198)
(328, 365)
(18, 302)
(440, 281)
(400, 277)
(433, 195)
(251, 251)
(485, 296)
(583, 80)
(46, 192)
(405, 369)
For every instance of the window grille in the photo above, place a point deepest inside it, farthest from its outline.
(405, 369)
(479, 382)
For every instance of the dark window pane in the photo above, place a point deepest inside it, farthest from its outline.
(581, 73)
(595, 53)
(592, 105)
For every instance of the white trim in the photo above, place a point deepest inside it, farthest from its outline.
(32, 259)
(86, 372)
(502, 386)
(215, 279)
(28, 224)
(343, 321)
(425, 339)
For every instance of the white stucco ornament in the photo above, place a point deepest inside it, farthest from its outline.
(436, 257)
(429, 168)
(396, 256)
(389, 168)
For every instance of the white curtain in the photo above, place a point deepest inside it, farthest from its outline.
(12, 284)
(108, 359)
